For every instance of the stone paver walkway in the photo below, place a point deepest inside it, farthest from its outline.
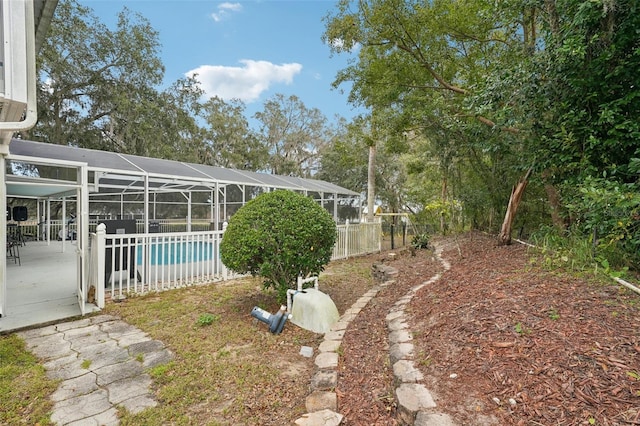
(102, 363)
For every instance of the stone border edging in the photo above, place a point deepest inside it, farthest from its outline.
(322, 402)
(415, 403)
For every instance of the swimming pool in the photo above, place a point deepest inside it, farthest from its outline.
(174, 252)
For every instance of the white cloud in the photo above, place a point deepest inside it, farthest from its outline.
(225, 9)
(246, 83)
(338, 44)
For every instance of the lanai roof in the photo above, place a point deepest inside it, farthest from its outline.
(123, 172)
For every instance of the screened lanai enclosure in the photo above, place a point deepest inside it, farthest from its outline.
(121, 224)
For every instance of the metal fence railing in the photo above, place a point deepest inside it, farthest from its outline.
(139, 263)
(357, 239)
(126, 264)
(53, 229)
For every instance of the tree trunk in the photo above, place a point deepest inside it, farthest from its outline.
(554, 203)
(504, 238)
(443, 197)
(371, 183)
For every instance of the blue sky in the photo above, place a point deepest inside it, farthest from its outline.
(249, 50)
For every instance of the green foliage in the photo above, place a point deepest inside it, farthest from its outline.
(207, 319)
(562, 251)
(420, 241)
(521, 329)
(229, 141)
(293, 134)
(602, 239)
(278, 236)
(100, 88)
(561, 79)
(439, 214)
(344, 160)
(608, 214)
(96, 83)
(419, 67)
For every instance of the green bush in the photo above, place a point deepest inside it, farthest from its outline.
(278, 236)
(608, 213)
(420, 241)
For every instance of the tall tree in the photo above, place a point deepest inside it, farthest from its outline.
(230, 141)
(420, 63)
(576, 96)
(156, 124)
(414, 53)
(96, 83)
(345, 162)
(293, 134)
(177, 120)
(554, 81)
(371, 179)
(591, 92)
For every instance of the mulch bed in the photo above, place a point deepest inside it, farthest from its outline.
(365, 377)
(501, 341)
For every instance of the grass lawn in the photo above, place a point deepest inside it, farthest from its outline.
(24, 387)
(228, 369)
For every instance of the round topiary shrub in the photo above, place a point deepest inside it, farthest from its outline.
(279, 235)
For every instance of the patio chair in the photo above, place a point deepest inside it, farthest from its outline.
(14, 233)
(13, 250)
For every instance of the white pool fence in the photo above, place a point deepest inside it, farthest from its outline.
(128, 264)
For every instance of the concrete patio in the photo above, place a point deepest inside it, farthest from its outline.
(41, 287)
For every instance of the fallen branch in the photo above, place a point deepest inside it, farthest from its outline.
(524, 243)
(627, 284)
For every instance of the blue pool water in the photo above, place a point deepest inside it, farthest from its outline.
(171, 253)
